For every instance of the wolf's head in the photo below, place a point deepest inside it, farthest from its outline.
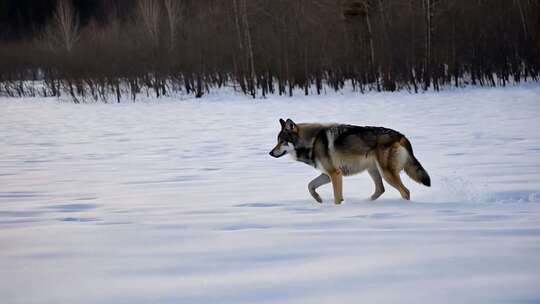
(287, 139)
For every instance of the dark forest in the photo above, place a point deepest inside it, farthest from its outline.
(95, 50)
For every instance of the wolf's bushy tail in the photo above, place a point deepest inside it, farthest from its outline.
(413, 168)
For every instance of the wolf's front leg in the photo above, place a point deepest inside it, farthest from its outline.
(379, 187)
(337, 183)
(320, 180)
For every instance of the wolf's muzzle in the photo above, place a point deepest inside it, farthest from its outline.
(276, 156)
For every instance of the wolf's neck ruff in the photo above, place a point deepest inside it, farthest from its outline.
(305, 155)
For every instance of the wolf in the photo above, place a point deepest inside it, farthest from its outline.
(338, 150)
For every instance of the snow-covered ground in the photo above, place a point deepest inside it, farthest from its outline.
(179, 202)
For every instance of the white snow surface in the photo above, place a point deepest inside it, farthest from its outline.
(178, 201)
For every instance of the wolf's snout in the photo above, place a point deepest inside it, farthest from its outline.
(275, 154)
(271, 153)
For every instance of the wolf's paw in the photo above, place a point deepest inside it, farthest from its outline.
(406, 195)
(315, 195)
(376, 195)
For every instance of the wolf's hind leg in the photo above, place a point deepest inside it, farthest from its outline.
(395, 181)
(377, 179)
(337, 183)
(391, 161)
(320, 180)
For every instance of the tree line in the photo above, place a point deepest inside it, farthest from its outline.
(259, 47)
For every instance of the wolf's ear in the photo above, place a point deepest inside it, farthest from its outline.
(291, 126)
(282, 122)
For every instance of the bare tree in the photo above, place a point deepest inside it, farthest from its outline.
(428, 14)
(173, 9)
(63, 31)
(522, 15)
(372, 62)
(238, 70)
(249, 48)
(149, 12)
